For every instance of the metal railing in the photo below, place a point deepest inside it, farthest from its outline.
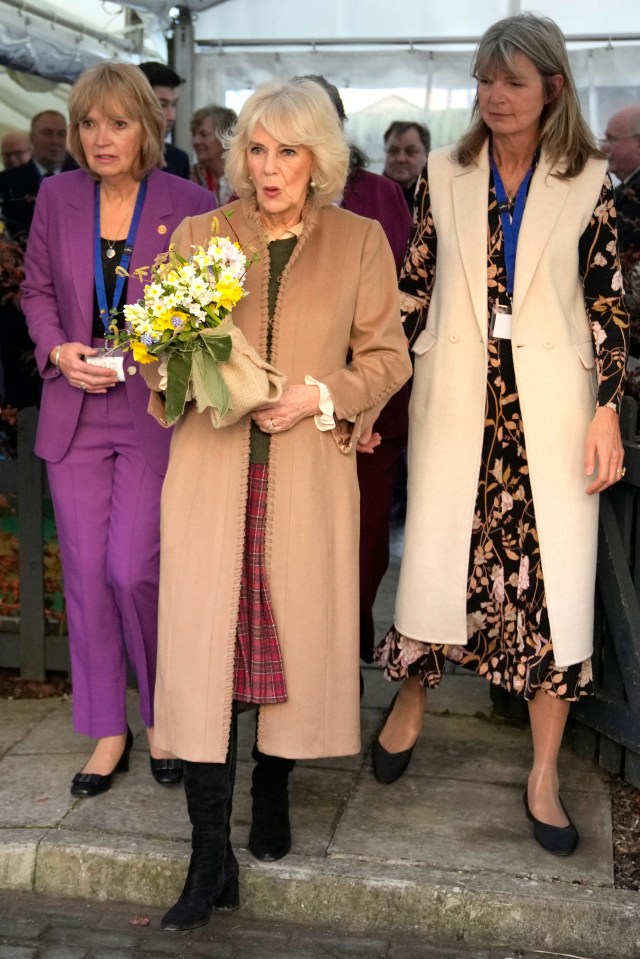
(607, 725)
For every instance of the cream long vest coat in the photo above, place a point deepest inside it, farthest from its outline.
(338, 290)
(553, 356)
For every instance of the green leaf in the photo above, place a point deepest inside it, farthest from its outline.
(209, 389)
(178, 375)
(219, 347)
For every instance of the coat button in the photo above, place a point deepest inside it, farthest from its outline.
(131, 370)
(548, 344)
(454, 338)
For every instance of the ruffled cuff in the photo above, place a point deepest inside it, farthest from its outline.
(325, 419)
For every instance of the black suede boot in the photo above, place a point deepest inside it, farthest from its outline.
(270, 835)
(212, 880)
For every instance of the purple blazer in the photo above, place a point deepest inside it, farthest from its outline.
(372, 195)
(58, 295)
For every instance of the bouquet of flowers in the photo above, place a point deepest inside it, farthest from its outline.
(183, 321)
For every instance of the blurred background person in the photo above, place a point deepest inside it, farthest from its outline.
(208, 125)
(509, 448)
(15, 148)
(19, 185)
(406, 147)
(106, 457)
(378, 198)
(621, 144)
(165, 83)
(259, 591)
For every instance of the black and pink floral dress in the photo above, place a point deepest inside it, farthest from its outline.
(509, 640)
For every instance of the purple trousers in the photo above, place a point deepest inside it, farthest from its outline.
(107, 507)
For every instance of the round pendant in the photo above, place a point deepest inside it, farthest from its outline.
(111, 253)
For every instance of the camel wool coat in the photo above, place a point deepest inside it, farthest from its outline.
(337, 292)
(553, 355)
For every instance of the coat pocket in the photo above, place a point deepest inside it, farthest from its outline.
(586, 353)
(424, 343)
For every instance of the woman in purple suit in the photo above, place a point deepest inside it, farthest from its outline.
(106, 457)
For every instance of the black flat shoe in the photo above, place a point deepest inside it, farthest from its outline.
(387, 767)
(559, 840)
(167, 772)
(88, 785)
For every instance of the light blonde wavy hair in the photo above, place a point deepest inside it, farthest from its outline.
(298, 113)
(564, 133)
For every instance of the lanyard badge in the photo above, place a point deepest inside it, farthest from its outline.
(501, 322)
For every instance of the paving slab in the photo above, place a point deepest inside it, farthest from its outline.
(55, 734)
(35, 792)
(438, 823)
(19, 716)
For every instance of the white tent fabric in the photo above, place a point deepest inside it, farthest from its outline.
(45, 45)
(420, 50)
(412, 58)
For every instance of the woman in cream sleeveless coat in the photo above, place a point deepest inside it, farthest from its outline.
(498, 570)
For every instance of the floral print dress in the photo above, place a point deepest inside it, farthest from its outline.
(509, 640)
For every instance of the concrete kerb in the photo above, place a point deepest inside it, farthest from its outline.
(357, 897)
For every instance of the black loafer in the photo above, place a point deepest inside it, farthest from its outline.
(559, 840)
(387, 767)
(87, 785)
(167, 772)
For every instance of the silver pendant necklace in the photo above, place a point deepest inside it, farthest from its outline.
(110, 252)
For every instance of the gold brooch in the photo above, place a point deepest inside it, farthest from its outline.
(162, 228)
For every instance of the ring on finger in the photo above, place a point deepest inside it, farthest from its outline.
(621, 471)
(83, 386)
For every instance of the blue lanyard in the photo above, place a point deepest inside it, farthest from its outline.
(125, 259)
(510, 224)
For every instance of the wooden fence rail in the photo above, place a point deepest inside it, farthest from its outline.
(30, 648)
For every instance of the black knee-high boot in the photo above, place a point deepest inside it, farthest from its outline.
(212, 880)
(270, 835)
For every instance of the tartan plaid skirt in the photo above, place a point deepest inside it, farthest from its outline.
(258, 671)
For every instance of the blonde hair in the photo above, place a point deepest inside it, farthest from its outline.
(223, 119)
(564, 133)
(299, 113)
(118, 90)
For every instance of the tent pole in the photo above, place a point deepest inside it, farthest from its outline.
(181, 60)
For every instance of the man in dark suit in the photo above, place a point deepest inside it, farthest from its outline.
(165, 83)
(621, 143)
(19, 186)
(18, 190)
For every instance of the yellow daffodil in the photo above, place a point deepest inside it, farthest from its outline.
(140, 353)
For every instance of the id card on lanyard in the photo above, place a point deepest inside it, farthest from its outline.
(501, 319)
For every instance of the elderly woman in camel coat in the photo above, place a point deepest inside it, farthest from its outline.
(260, 519)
